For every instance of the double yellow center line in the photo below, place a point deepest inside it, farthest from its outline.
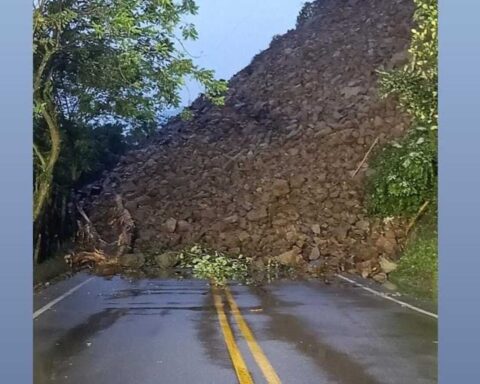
(243, 375)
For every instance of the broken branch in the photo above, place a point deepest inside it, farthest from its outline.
(366, 156)
(417, 216)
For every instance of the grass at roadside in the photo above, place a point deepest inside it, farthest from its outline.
(49, 270)
(417, 271)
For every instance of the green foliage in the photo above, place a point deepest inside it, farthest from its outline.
(87, 151)
(308, 10)
(418, 267)
(406, 172)
(416, 85)
(120, 60)
(105, 72)
(186, 114)
(215, 266)
(405, 175)
(421, 259)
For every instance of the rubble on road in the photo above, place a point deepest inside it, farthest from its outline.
(271, 174)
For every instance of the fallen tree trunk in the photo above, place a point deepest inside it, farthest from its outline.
(127, 225)
(92, 249)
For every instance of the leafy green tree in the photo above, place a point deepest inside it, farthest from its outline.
(104, 61)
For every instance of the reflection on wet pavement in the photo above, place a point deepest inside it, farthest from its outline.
(148, 331)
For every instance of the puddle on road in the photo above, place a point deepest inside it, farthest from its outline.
(56, 359)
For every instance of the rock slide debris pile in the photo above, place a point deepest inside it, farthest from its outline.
(272, 173)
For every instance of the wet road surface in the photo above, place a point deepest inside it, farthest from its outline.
(127, 331)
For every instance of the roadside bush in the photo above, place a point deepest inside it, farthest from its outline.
(417, 271)
(405, 173)
(420, 263)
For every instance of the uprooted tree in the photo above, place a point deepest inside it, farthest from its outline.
(119, 63)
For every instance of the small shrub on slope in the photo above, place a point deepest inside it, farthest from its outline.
(405, 175)
(307, 11)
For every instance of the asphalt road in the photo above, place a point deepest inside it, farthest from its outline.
(124, 331)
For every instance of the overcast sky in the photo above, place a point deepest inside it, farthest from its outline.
(231, 32)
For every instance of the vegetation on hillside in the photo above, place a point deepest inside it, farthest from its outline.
(405, 172)
(105, 72)
(308, 10)
(417, 270)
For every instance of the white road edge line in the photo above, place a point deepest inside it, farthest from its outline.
(385, 296)
(46, 307)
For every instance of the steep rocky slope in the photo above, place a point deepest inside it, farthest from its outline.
(272, 172)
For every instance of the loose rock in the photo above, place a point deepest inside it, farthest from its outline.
(171, 225)
(290, 258)
(132, 260)
(387, 266)
(167, 260)
(314, 254)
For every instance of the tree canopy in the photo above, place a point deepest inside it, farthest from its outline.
(103, 68)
